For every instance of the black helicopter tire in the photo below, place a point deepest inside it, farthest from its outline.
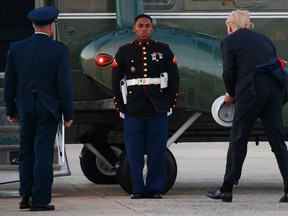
(125, 180)
(95, 169)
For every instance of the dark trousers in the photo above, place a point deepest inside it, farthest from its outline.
(147, 136)
(269, 109)
(37, 138)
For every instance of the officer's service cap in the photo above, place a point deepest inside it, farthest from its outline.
(43, 15)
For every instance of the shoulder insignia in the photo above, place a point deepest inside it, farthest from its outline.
(174, 60)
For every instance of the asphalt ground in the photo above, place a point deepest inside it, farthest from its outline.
(200, 168)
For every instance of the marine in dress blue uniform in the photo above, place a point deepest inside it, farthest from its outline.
(38, 91)
(142, 63)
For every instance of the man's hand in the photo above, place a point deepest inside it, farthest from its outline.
(228, 98)
(68, 123)
(12, 119)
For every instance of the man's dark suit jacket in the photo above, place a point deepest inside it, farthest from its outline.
(242, 51)
(38, 65)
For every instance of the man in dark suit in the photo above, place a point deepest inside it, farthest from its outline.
(254, 80)
(151, 82)
(37, 92)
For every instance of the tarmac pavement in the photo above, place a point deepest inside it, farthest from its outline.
(200, 168)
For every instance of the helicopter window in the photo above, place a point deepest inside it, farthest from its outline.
(87, 6)
(205, 59)
(158, 4)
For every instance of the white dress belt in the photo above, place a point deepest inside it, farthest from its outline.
(143, 81)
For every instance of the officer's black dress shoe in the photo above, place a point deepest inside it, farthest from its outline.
(34, 207)
(284, 198)
(138, 196)
(24, 202)
(225, 196)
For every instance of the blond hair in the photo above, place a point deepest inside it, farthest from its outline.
(239, 19)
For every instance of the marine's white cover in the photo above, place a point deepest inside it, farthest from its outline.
(223, 113)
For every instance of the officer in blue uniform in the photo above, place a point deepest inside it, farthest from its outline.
(37, 92)
(145, 81)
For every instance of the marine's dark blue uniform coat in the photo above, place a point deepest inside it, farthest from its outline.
(136, 60)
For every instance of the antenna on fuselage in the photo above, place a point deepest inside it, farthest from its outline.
(126, 11)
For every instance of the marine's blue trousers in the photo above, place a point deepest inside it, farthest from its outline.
(147, 136)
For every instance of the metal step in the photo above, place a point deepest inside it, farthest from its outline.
(15, 167)
(9, 140)
(9, 157)
(9, 133)
(9, 129)
(2, 110)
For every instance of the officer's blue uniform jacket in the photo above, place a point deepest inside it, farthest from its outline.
(136, 60)
(38, 90)
(52, 82)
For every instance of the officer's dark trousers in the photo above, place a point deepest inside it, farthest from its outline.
(147, 136)
(268, 108)
(37, 138)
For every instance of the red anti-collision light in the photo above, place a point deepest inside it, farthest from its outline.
(103, 59)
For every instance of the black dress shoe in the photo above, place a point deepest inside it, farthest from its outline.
(284, 198)
(34, 207)
(24, 202)
(137, 196)
(154, 195)
(225, 196)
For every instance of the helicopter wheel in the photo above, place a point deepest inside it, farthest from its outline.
(95, 169)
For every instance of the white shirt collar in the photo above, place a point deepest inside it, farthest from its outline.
(42, 33)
